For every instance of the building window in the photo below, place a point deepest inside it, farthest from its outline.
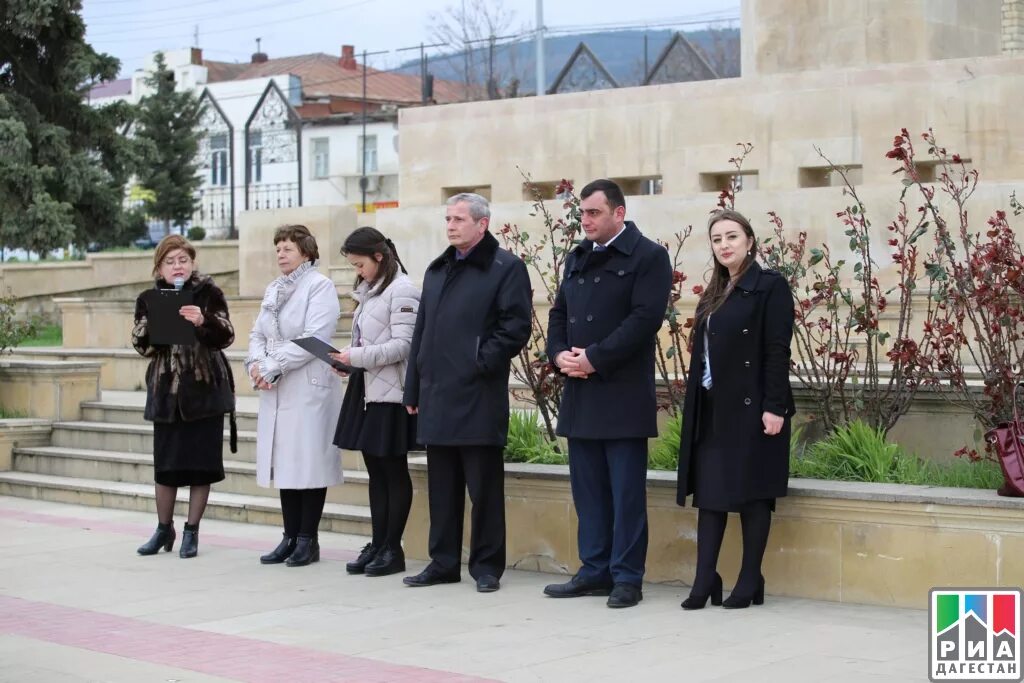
(482, 190)
(219, 159)
(321, 157)
(370, 151)
(255, 156)
(639, 185)
(825, 176)
(720, 182)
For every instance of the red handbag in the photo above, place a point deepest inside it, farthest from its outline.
(1007, 439)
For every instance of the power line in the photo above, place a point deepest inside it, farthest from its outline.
(159, 23)
(250, 26)
(178, 8)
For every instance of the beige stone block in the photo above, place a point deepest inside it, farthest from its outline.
(1010, 568)
(804, 558)
(897, 565)
(544, 537)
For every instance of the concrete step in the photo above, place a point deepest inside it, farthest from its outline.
(346, 519)
(137, 468)
(138, 438)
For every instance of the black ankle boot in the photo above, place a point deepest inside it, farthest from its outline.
(163, 537)
(281, 553)
(700, 600)
(366, 556)
(742, 602)
(388, 561)
(189, 541)
(307, 551)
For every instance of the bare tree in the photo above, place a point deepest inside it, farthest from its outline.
(722, 50)
(471, 27)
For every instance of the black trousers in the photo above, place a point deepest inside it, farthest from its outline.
(451, 470)
(302, 510)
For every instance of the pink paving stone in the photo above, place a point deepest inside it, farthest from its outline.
(243, 659)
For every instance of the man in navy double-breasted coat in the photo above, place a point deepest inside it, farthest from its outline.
(601, 335)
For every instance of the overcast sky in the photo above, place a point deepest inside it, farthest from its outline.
(132, 29)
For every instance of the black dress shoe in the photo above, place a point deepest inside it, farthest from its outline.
(431, 576)
(388, 561)
(735, 601)
(700, 600)
(366, 555)
(307, 551)
(189, 542)
(576, 587)
(281, 553)
(487, 584)
(625, 595)
(163, 537)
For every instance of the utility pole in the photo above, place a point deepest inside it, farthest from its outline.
(541, 85)
(423, 64)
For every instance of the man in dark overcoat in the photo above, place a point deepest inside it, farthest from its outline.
(601, 335)
(474, 317)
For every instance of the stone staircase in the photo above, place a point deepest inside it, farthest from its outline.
(105, 460)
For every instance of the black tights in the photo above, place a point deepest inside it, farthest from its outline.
(390, 498)
(756, 521)
(302, 510)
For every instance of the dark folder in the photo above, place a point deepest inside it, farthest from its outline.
(320, 350)
(166, 326)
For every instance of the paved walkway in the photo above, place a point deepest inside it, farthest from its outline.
(77, 604)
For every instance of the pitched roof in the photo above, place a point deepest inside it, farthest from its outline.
(323, 76)
(122, 86)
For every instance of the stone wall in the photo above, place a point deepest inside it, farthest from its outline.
(1013, 27)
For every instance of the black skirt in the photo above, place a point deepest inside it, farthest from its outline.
(189, 453)
(377, 429)
(715, 485)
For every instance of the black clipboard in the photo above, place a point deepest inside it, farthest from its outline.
(320, 350)
(166, 326)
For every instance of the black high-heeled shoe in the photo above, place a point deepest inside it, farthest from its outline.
(697, 601)
(163, 537)
(281, 553)
(307, 551)
(189, 541)
(742, 602)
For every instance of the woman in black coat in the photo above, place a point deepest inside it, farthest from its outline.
(189, 388)
(734, 450)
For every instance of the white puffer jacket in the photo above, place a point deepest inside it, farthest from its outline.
(382, 328)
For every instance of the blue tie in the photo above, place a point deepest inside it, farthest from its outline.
(599, 247)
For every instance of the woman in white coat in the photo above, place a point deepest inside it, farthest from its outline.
(300, 396)
(373, 419)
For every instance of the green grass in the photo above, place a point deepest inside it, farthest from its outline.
(528, 443)
(856, 452)
(11, 414)
(45, 335)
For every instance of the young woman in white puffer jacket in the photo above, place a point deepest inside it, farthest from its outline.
(373, 419)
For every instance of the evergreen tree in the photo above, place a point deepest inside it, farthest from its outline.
(63, 163)
(168, 133)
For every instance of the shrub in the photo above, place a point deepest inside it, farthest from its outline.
(528, 442)
(12, 331)
(856, 452)
(665, 453)
(196, 234)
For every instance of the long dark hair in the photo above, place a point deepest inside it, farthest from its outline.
(718, 288)
(367, 241)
